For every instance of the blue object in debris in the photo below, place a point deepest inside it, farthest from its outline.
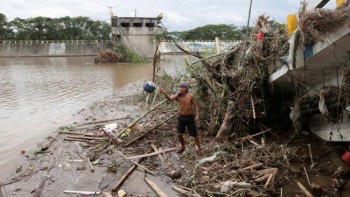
(149, 87)
(308, 52)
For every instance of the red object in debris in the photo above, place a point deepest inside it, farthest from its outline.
(346, 157)
(260, 35)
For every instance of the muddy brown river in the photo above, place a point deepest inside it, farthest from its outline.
(40, 94)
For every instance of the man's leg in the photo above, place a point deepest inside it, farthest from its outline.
(198, 144)
(182, 142)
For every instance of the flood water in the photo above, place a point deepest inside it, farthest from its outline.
(37, 95)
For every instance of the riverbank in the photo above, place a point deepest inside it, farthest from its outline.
(61, 163)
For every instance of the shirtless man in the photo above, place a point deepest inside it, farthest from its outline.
(186, 103)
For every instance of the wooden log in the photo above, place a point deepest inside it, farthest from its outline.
(78, 140)
(147, 132)
(103, 121)
(139, 165)
(126, 175)
(151, 154)
(85, 137)
(71, 133)
(155, 188)
(302, 187)
(228, 117)
(47, 143)
(143, 115)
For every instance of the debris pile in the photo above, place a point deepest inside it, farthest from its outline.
(109, 56)
(238, 92)
(316, 23)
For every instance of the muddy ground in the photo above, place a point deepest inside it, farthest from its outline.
(63, 164)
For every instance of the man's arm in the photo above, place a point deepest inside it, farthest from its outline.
(167, 96)
(194, 103)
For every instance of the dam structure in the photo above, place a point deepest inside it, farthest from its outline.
(56, 48)
(136, 33)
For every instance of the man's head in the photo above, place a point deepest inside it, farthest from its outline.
(184, 87)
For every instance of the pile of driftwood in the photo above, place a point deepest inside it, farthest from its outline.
(109, 56)
(236, 87)
(316, 23)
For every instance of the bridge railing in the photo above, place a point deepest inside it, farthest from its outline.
(54, 41)
(234, 41)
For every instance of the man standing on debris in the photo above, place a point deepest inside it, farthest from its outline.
(186, 103)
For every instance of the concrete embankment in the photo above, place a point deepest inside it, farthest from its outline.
(73, 48)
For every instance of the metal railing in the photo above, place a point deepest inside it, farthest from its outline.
(53, 41)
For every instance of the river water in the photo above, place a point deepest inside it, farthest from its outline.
(37, 95)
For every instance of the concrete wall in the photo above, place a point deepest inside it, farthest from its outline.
(194, 46)
(141, 40)
(11, 49)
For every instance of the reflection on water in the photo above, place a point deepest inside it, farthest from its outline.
(37, 95)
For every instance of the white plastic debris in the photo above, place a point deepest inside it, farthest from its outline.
(227, 185)
(211, 158)
(121, 193)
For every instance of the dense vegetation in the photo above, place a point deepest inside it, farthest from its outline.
(207, 32)
(84, 28)
(46, 28)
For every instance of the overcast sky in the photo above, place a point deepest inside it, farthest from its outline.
(179, 15)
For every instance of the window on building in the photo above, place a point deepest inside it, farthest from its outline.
(125, 24)
(137, 24)
(149, 24)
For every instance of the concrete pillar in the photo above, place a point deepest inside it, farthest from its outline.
(217, 45)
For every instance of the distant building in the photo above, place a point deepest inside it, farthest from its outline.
(136, 33)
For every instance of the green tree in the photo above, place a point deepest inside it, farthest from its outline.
(209, 32)
(5, 31)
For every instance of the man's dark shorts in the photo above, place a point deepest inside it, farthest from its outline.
(187, 121)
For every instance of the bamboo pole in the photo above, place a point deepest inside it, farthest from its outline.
(151, 154)
(86, 193)
(102, 121)
(302, 187)
(126, 175)
(139, 165)
(159, 155)
(307, 176)
(155, 188)
(85, 137)
(143, 115)
(155, 127)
